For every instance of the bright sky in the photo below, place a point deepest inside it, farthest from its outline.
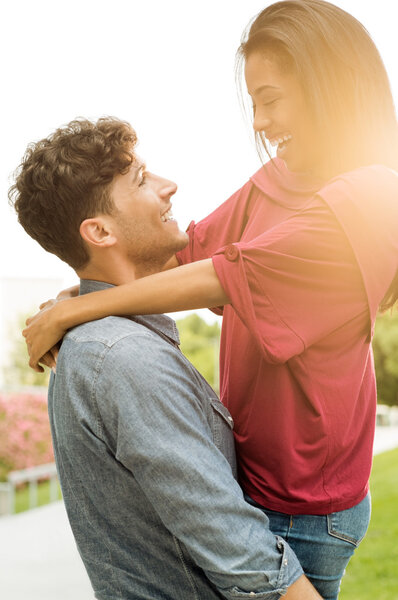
(166, 66)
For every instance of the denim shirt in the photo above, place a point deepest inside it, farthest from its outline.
(144, 451)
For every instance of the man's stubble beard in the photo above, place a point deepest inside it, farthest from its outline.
(148, 258)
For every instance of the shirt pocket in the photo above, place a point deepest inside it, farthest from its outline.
(222, 425)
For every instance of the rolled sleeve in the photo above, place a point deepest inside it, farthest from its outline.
(153, 409)
(290, 570)
(294, 284)
(223, 226)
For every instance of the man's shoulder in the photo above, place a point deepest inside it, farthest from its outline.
(116, 345)
(123, 349)
(109, 331)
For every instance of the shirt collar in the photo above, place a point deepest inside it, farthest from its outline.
(161, 324)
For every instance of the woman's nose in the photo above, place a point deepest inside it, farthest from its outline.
(261, 121)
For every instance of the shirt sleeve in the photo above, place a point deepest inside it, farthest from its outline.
(223, 226)
(365, 203)
(294, 284)
(151, 407)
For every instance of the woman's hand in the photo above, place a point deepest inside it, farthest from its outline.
(34, 324)
(70, 292)
(42, 334)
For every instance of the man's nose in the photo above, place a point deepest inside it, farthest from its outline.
(167, 188)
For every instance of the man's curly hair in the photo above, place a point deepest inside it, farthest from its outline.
(65, 179)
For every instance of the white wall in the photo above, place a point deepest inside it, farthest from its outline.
(20, 296)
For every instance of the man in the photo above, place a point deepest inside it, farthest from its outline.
(144, 449)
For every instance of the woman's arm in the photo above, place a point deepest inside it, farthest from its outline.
(191, 286)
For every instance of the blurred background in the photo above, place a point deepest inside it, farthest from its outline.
(167, 67)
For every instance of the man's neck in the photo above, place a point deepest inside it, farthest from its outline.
(118, 272)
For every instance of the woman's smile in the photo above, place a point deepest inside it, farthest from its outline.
(280, 112)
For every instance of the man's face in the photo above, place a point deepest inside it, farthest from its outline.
(143, 223)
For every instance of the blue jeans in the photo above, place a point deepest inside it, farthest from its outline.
(323, 543)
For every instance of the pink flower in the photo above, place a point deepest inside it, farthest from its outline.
(25, 438)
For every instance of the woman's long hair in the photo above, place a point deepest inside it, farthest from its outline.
(342, 76)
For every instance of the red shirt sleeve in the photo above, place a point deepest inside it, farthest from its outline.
(295, 283)
(223, 226)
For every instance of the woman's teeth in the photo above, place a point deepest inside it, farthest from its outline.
(281, 140)
(166, 216)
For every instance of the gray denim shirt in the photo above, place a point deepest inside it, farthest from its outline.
(145, 456)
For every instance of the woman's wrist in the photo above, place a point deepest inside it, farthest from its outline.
(74, 311)
(62, 314)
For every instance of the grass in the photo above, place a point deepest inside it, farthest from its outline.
(43, 496)
(372, 572)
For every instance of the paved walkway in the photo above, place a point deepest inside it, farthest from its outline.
(386, 438)
(39, 559)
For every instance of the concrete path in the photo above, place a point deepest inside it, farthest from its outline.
(39, 559)
(386, 438)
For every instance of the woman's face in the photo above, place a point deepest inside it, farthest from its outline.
(281, 112)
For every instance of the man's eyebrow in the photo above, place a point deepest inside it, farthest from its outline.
(139, 167)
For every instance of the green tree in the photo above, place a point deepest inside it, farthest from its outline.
(17, 372)
(200, 342)
(385, 347)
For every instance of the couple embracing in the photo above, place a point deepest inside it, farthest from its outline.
(298, 261)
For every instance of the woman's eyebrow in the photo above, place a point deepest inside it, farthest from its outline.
(263, 88)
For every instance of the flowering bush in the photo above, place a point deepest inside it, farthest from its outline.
(25, 438)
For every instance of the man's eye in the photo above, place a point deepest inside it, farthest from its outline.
(143, 180)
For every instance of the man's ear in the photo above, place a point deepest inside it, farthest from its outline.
(97, 232)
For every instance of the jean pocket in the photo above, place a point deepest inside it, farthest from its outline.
(352, 524)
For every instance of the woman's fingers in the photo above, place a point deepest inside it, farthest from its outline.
(54, 353)
(48, 359)
(69, 293)
(35, 366)
(42, 337)
(47, 304)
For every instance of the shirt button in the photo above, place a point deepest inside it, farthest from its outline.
(285, 562)
(252, 594)
(231, 252)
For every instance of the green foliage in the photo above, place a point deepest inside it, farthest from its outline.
(200, 342)
(372, 572)
(385, 347)
(43, 496)
(18, 373)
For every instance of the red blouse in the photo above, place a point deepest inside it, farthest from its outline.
(305, 266)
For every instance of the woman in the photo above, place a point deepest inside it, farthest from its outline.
(300, 259)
